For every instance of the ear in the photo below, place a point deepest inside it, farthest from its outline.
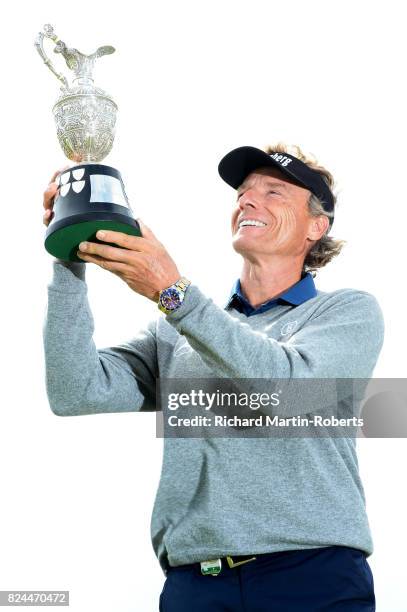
(318, 227)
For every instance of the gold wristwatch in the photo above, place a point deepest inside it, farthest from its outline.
(172, 297)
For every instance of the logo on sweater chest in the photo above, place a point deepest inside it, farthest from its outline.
(288, 328)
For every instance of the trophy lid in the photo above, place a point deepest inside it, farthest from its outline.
(81, 65)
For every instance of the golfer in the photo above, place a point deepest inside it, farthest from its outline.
(239, 524)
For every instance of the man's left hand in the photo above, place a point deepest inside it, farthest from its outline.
(143, 263)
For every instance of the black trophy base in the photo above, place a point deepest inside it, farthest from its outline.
(91, 198)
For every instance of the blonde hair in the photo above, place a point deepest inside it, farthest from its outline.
(326, 248)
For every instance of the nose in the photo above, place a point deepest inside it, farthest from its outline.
(248, 199)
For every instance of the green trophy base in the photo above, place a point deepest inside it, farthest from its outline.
(63, 242)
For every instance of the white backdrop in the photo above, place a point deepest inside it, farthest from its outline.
(192, 81)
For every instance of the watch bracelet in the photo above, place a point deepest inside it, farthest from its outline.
(182, 283)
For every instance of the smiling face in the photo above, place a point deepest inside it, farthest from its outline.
(271, 217)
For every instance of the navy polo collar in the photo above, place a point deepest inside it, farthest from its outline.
(300, 292)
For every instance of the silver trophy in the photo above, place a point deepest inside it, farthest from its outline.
(91, 195)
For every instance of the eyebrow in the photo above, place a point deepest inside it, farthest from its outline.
(268, 184)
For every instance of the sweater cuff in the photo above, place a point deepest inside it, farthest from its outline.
(68, 276)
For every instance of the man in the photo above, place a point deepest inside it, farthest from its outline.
(238, 524)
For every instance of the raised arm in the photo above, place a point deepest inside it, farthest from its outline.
(80, 379)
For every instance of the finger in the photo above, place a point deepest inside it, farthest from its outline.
(51, 190)
(54, 176)
(116, 267)
(47, 217)
(49, 195)
(146, 232)
(107, 252)
(133, 243)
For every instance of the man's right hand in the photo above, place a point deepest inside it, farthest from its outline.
(49, 195)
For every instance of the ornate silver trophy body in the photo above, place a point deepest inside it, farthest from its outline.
(91, 195)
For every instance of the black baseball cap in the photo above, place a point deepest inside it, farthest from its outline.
(239, 163)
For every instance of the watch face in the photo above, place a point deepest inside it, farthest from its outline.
(170, 299)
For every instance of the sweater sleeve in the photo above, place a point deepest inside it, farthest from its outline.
(81, 379)
(341, 339)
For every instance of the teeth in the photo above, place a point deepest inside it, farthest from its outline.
(252, 222)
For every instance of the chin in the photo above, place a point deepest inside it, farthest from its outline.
(243, 245)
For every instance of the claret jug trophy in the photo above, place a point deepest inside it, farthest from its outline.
(91, 196)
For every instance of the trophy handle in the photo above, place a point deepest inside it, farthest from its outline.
(49, 33)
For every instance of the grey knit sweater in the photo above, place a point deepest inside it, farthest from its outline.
(226, 496)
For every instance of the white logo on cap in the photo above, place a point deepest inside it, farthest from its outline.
(282, 159)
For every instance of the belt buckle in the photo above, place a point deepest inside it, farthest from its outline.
(233, 564)
(212, 567)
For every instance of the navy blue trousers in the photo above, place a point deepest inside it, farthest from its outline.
(331, 579)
